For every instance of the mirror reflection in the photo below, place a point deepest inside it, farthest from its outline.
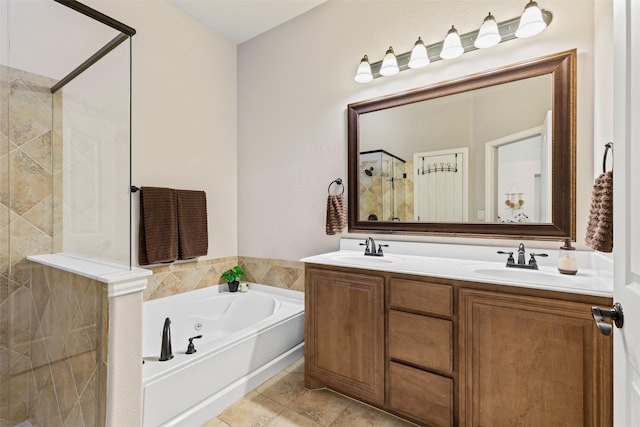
(491, 154)
(477, 156)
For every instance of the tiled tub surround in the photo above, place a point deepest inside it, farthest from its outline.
(246, 339)
(183, 277)
(479, 264)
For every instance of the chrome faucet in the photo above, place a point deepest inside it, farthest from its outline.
(532, 265)
(165, 350)
(521, 253)
(370, 247)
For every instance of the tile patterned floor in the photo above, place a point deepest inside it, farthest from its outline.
(283, 401)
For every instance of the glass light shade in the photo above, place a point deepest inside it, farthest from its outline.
(419, 57)
(389, 64)
(452, 46)
(363, 75)
(488, 36)
(531, 22)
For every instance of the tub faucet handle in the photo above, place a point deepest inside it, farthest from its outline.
(191, 348)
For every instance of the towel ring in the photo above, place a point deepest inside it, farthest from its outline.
(336, 181)
(608, 146)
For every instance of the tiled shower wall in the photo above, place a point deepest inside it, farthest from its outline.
(49, 321)
(177, 278)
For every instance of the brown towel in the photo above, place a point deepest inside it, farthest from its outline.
(336, 214)
(600, 227)
(193, 236)
(158, 235)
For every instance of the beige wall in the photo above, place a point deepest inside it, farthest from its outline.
(184, 112)
(292, 138)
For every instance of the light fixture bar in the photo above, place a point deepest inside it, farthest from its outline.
(507, 30)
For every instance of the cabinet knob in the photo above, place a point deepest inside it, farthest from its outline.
(614, 313)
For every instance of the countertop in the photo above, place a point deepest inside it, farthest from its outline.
(477, 264)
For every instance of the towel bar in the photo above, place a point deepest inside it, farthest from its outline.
(608, 146)
(336, 181)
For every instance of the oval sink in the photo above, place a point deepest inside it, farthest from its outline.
(366, 260)
(518, 275)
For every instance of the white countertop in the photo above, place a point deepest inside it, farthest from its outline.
(477, 264)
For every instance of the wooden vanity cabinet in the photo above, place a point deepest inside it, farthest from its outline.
(444, 353)
(531, 361)
(344, 333)
(420, 351)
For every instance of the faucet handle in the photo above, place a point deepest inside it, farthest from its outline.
(191, 348)
(532, 259)
(380, 246)
(366, 243)
(510, 259)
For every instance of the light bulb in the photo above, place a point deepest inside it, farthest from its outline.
(452, 46)
(363, 75)
(488, 36)
(389, 64)
(531, 22)
(419, 57)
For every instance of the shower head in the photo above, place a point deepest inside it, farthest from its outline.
(369, 172)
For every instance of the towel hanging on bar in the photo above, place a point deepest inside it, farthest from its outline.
(336, 210)
(599, 234)
(158, 233)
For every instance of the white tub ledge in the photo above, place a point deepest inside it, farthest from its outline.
(121, 279)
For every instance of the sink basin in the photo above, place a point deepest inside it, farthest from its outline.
(365, 259)
(519, 275)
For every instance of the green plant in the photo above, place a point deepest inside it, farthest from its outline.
(232, 274)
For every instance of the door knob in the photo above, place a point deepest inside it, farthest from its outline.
(615, 314)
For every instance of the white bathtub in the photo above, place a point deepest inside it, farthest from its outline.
(247, 338)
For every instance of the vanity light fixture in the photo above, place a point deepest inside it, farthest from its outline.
(488, 35)
(533, 21)
(363, 75)
(452, 45)
(419, 57)
(389, 64)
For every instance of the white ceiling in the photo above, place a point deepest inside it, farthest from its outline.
(240, 20)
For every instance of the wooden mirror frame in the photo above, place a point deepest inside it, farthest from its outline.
(562, 66)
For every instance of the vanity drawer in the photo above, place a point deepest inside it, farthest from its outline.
(421, 395)
(421, 340)
(421, 296)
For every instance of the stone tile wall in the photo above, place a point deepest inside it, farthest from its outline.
(177, 278)
(51, 358)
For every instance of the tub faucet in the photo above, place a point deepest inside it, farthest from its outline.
(165, 350)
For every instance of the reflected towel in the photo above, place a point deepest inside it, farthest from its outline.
(336, 214)
(158, 233)
(193, 235)
(600, 227)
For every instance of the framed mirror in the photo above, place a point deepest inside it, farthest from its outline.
(488, 155)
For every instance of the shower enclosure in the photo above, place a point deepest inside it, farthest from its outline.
(384, 187)
(65, 85)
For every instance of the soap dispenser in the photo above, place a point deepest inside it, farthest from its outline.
(567, 263)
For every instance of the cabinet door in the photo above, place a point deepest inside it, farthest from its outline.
(344, 333)
(527, 361)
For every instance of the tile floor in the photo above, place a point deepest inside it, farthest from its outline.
(283, 401)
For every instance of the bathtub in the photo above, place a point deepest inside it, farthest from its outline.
(246, 339)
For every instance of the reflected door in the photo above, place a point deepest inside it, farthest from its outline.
(440, 185)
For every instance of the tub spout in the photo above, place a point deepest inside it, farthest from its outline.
(165, 351)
